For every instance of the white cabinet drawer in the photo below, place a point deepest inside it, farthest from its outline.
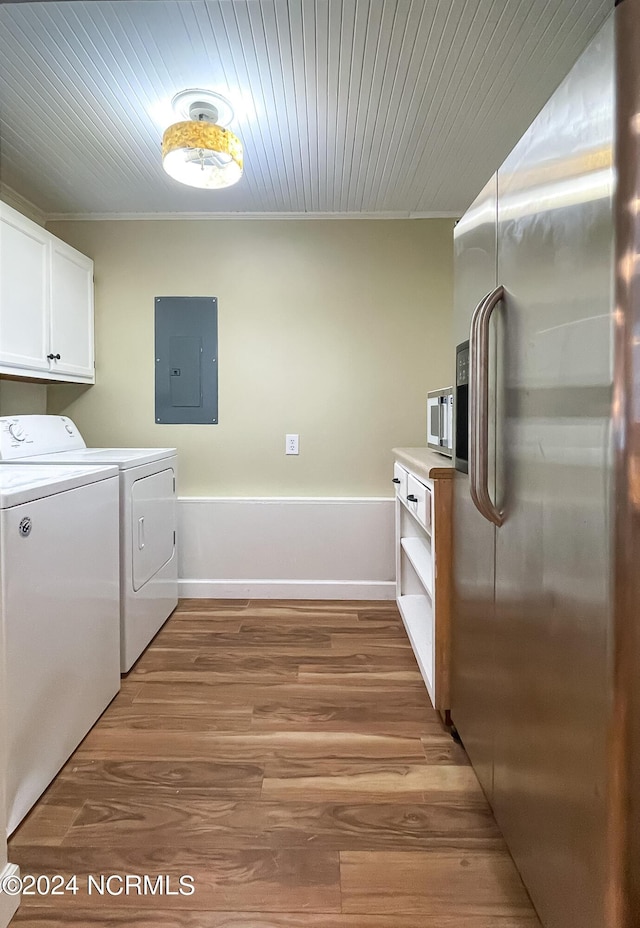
(400, 480)
(418, 498)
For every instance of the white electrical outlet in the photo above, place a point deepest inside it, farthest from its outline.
(291, 444)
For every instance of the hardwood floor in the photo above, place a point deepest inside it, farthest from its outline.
(286, 756)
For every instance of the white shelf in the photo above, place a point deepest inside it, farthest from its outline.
(423, 546)
(417, 615)
(418, 551)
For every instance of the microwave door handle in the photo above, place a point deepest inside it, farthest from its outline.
(444, 422)
(479, 450)
(447, 410)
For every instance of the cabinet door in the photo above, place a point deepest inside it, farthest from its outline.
(71, 311)
(24, 292)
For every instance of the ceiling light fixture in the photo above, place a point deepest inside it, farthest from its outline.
(200, 151)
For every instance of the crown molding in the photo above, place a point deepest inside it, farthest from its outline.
(147, 217)
(29, 209)
(445, 214)
(9, 196)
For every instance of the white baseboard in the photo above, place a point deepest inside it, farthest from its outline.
(8, 903)
(286, 548)
(286, 589)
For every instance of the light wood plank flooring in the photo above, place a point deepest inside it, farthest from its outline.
(285, 755)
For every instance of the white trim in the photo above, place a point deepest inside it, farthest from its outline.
(316, 500)
(27, 208)
(287, 589)
(286, 548)
(8, 904)
(24, 206)
(444, 214)
(125, 217)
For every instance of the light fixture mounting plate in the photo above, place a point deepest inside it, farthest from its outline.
(197, 103)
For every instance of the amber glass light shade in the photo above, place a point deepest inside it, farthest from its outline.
(202, 154)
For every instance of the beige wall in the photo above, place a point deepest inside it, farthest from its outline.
(332, 329)
(17, 398)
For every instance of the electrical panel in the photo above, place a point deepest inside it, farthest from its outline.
(186, 360)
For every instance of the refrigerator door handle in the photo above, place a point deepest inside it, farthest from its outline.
(474, 365)
(479, 449)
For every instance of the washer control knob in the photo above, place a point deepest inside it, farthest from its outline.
(68, 428)
(17, 432)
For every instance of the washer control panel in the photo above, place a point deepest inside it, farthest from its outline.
(26, 436)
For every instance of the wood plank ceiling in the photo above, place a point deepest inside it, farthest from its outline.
(391, 107)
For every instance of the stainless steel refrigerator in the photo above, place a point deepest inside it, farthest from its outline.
(546, 652)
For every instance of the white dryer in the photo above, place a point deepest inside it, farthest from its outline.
(59, 583)
(148, 517)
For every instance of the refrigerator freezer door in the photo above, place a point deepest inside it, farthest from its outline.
(553, 551)
(625, 734)
(473, 679)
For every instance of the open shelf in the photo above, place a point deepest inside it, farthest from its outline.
(423, 555)
(417, 616)
(418, 551)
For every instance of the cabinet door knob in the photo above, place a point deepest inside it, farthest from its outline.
(411, 498)
(53, 357)
(396, 480)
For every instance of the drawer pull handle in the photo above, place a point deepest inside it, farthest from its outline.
(411, 498)
(396, 480)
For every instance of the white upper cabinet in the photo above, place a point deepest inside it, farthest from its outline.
(46, 304)
(24, 292)
(71, 311)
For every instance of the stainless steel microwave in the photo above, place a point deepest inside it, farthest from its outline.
(440, 421)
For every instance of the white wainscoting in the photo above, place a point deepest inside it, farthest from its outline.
(286, 548)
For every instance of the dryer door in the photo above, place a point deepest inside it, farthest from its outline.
(153, 525)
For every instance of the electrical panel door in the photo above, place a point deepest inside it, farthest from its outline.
(186, 360)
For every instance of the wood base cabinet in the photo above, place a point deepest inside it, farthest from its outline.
(424, 485)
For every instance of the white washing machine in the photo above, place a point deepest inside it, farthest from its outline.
(59, 583)
(148, 517)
